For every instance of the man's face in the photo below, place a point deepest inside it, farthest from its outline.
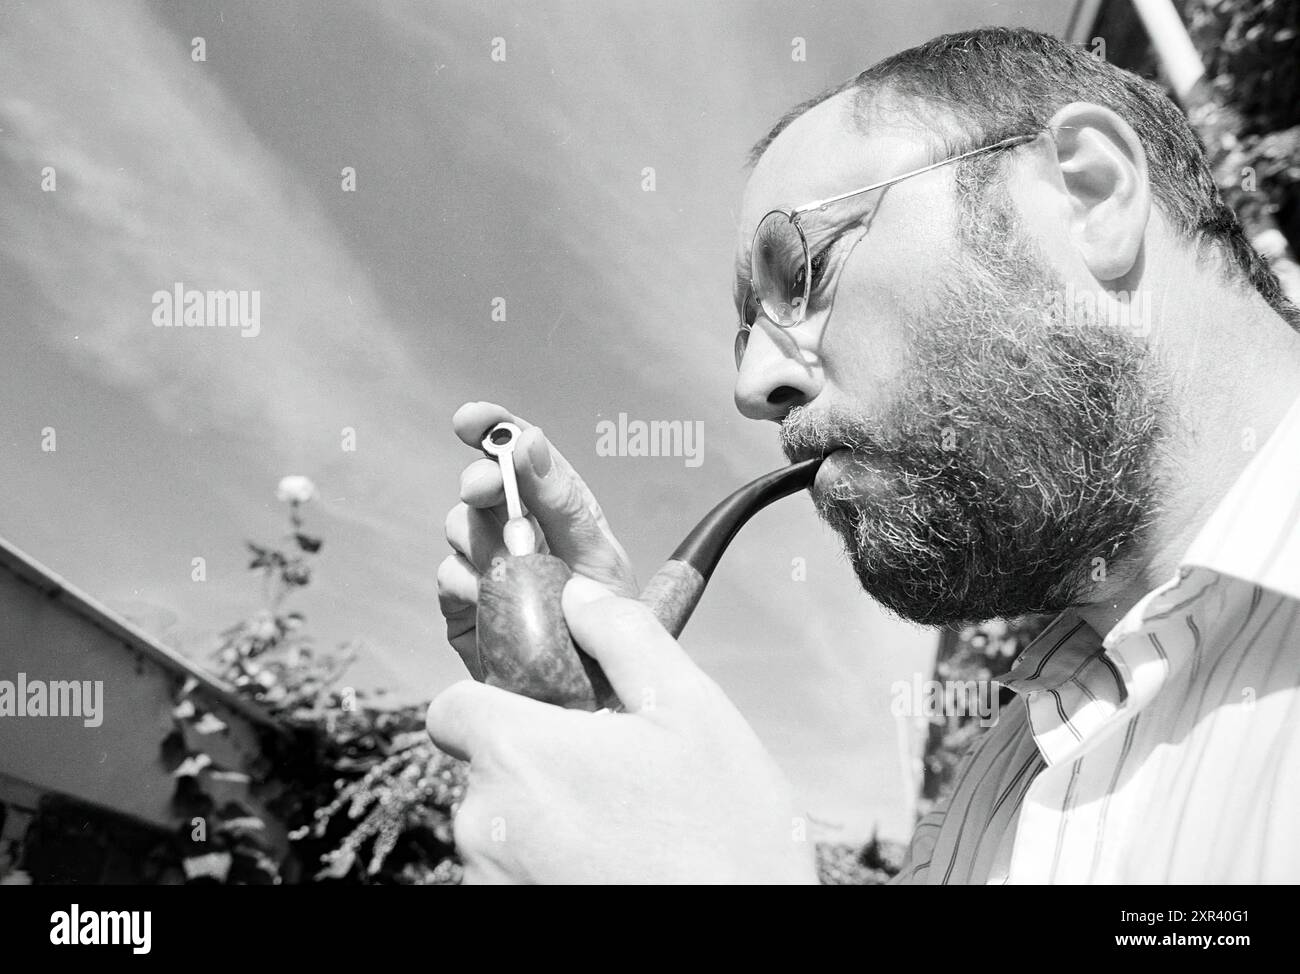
(994, 452)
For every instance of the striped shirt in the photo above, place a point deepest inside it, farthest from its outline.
(1167, 752)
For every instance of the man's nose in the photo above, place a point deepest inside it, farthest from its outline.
(775, 374)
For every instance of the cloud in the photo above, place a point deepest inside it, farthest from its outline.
(161, 181)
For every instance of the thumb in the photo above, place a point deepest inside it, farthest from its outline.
(643, 663)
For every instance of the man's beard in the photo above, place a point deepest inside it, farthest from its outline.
(1013, 468)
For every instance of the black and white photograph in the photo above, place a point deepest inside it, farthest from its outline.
(604, 442)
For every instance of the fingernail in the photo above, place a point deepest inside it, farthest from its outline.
(580, 590)
(539, 454)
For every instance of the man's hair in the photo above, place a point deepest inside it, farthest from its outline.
(978, 87)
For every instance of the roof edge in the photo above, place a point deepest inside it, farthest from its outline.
(55, 587)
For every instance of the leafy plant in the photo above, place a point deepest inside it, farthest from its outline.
(365, 794)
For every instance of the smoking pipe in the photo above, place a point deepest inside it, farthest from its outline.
(524, 644)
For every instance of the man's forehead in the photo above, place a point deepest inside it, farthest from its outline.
(824, 152)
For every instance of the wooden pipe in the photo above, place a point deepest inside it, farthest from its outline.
(523, 641)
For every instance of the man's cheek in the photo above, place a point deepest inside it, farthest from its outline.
(865, 340)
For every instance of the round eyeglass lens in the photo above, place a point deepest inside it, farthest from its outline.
(779, 267)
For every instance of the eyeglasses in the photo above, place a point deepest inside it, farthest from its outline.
(781, 267)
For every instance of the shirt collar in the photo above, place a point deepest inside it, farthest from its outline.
(1075, 683)
(1069, 683)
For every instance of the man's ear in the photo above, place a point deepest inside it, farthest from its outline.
(1104, 171)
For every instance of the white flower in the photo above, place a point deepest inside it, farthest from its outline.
(263, 626)
(296, 489)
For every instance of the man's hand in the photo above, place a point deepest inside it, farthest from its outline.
(677, 789)
(569, 521)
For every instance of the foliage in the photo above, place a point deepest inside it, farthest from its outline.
(844, 864)
(1250, 118)
(1251, 51)
(363, 791)
(981, 653)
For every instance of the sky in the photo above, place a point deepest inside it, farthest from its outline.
(480, 184)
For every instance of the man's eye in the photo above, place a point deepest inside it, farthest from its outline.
(819, 266)
(818, 271)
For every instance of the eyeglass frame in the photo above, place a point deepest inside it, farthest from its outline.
(793, 216)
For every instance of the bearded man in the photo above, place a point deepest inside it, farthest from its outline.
(991, 280)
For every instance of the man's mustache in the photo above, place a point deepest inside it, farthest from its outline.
(805, 434)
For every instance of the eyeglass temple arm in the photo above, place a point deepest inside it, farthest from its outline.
(1005, 143)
